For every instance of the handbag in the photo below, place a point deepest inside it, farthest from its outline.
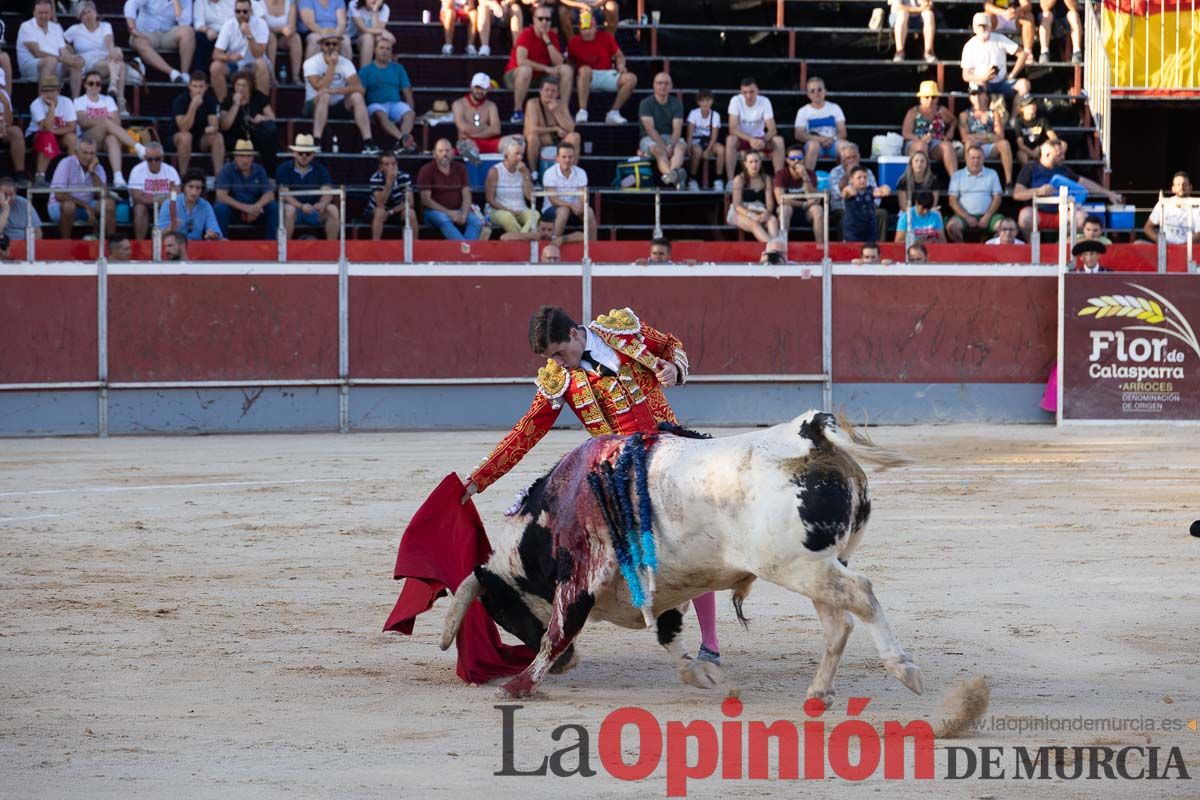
(634, 174)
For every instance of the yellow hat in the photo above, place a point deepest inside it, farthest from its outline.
(244, 147)
(929, 89)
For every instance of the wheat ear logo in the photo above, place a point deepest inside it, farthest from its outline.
(1171, 323)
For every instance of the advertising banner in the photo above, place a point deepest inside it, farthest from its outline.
(1130, 350)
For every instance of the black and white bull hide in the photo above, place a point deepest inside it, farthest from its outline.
(787, 504)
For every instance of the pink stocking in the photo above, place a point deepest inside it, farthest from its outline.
(706, 615)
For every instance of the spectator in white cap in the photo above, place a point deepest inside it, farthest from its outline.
(477, 120)
(985, 61)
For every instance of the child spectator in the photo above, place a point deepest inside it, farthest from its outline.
(703, 133)
(858, 216)
(926, 221)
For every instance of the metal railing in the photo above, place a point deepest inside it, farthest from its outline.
(281, 235)
(102, 232)
(1097, 80)
(785, 220)
(1066, 227)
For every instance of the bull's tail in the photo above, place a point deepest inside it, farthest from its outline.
(741, 590)
(468, 590)
(857, 443)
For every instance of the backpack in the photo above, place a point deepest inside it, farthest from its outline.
(634, 174)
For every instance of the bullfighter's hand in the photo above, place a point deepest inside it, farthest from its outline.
(667, 373)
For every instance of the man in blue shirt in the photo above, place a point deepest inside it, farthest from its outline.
(190, 214)
(384, 80)
(1036, 179)
(303, 172)
(244, 188)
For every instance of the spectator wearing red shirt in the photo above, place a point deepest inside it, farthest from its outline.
(600, 65)
(536, 50)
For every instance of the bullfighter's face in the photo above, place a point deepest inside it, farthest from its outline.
(569, 353)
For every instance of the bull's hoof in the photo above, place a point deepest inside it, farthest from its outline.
(907, 673)
(701, 674)
(515, 689)
(566, 662)
(824, 695)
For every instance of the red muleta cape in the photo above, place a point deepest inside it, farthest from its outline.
(440, 547)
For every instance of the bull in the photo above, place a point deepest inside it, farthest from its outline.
(787, 504)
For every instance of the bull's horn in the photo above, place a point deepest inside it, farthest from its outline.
(468, 590)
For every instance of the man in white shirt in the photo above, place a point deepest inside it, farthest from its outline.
(241, 44)
(975, 195)
(156, 25)
(566, 176)
(1170, 214)
(332, 88)
(152, 179)
(985, 61)
(42, 49)
(820, 126)
(751, 128)
(1006, 233)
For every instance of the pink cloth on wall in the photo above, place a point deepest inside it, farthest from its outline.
(1050, 396)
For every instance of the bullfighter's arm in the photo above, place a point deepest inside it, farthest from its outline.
(667, 347)
(520, 440)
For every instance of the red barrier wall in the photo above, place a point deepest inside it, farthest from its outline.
(48, 328)
(222, 327)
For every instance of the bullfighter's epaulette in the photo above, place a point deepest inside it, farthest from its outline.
(552, 380)
(621, 330)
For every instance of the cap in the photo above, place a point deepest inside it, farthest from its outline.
(929, 89)
(331, 36)
(981, 20)
(1088, 246)
(481, 80)
(1025, 100)
(50, 82)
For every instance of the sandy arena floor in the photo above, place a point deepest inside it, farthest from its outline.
(200, 617)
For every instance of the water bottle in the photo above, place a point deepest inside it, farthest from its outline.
(334, 148)
(283, 73)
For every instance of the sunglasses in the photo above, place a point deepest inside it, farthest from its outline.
(542, 19)
(49, 91)
(330, 44)
(91, 83)
(153, 159)
(795, 158)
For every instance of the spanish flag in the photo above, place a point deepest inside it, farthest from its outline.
(1152, 47)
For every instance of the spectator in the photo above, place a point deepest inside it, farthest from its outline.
(559, 181)
(550, 254)
(1031, 129)
(368, 26)
(175, 246)
(1173, 216)
(820, 125)
(789, 185)
(243, 187)
(869, 254)
(548, 122)
(509, 192)
(477, 120)
(901, 11)
(332, 89)
(839, 179)
(544, 232)
(446, 195)
(1034, 181)
(5, 245)
(208, 17)
(80, 171)
(929, 127)
(11, 133)
(1006, 233)
(6, 69)
(536, 50)
(156, 25)
(605, 11)
(119, 248)
(981, 125)
(247, 114)
(1088, 252)
(661, 115)
(302, 173)
(703, 140)
(241, 45)
(1046, 29)
(189, 214)
(283, 22)
(98, 117)
(1013, 16)
(500, 10)
(384, 81)
(600, 65)
(975, 197)
(922, 219)
(752, 127)
(150, 181)
(467, 11)
(917, 177)
(660, 251)
(92, 41)
(773, 254)
(195, 114)
(985, 59)
(1093, 230)
(917, 253)
(42, 49)
(322, 19)
(390, 195)
(16, 213)
(52, 125)
(859, 220)
(752, 206)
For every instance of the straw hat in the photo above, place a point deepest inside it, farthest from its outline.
(304, 144)
(929, 89)
(244, 147)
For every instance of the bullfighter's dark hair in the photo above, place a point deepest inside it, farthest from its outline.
(549, 325)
